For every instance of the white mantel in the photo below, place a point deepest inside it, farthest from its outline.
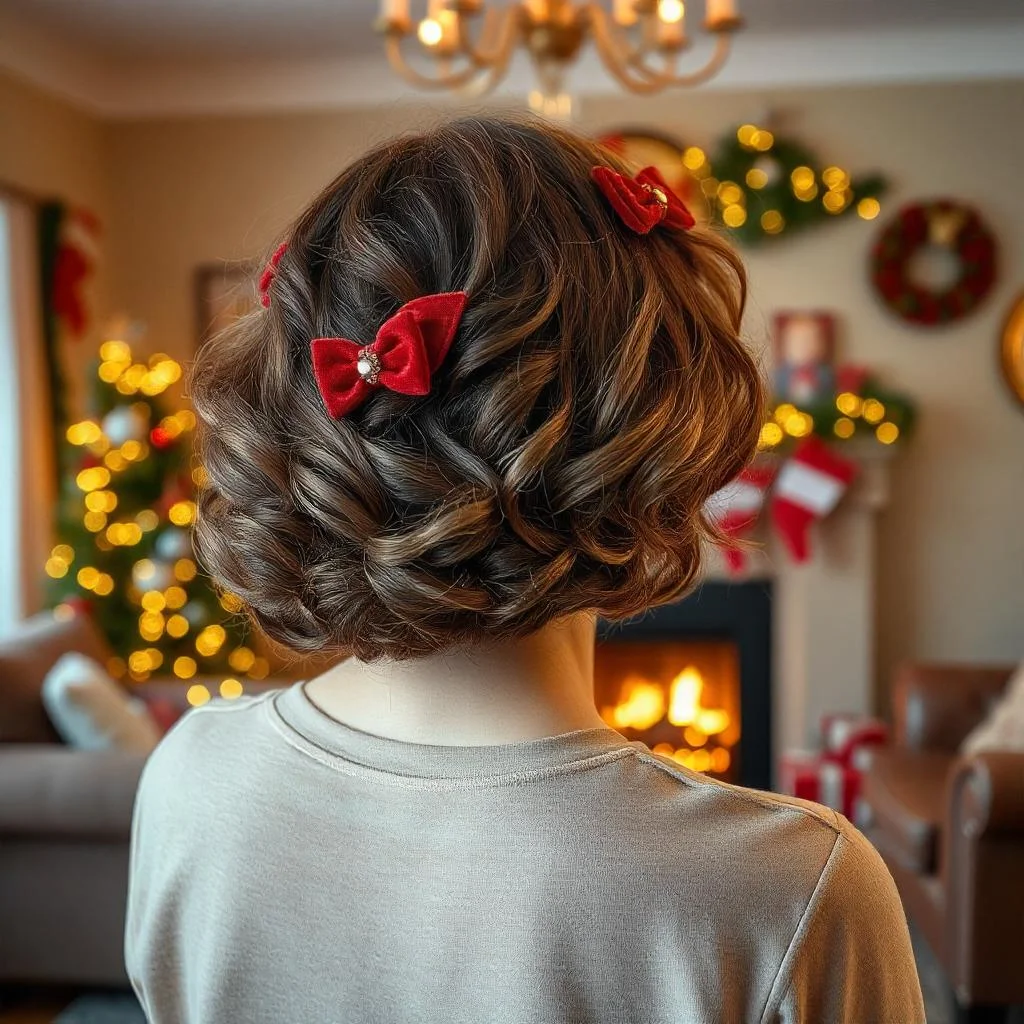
(823, 612)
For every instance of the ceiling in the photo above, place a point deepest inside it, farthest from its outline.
(197, 29)
(146, 58)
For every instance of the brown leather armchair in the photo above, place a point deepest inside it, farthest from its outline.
(951, 829)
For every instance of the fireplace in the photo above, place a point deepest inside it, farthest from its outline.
(692, 680)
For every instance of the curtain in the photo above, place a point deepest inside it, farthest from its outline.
(27, 472)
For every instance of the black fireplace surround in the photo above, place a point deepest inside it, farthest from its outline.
(737, 612)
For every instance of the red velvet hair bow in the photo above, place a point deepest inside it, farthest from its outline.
(269, 272)
(408, 348)
(643, 202)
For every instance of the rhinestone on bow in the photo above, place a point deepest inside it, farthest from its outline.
(368, 365)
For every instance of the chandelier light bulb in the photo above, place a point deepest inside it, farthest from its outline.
(670, 10)
(429, 32)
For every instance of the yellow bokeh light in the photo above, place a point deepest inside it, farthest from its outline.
(93, 479)
(720, 760)
(231, 602)
(771, 435)
(260, 669)
(887, 432)
(762, 140)
(802, 179)
(139, 661)
(185, 570)
(94, 521)
(153, 601)
(177, 626)
(86, 432)
(182, 513)
(210, 640)
(729, 192)
(241, 659)
(772, 221)
(175, 597)
(694, 158)
(185, 667)
(756, 177)
(844, 427)
(784, 411)
(115, 460)
(56, 568)
(836, 178)
(104, 585)
(745, 134)
(109, 372)
(835, 202)
(800, 424)
(200, 477)
(230, 689)
(147, 520)
(670, 10)
(186, 419)
(869, 208)
(873, 410)
(115, 351)
(196, 694)
(133, 451)
(88, 577)
(735, 216)
(849, 404)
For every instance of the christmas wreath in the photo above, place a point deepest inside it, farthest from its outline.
(947, 225)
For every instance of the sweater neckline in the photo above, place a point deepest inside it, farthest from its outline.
(437, 761)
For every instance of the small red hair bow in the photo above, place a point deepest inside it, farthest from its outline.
(269, 272)
(408, 348)
(643, 202)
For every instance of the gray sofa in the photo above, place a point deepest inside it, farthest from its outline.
(65, 819)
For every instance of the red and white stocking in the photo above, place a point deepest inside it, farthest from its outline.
(808, 488)
(737, 507)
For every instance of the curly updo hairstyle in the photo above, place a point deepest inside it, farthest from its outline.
(595, 395)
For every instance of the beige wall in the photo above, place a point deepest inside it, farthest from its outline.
(50, 150)
(192, 191)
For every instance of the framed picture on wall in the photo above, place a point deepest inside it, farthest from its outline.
(804, 346)
(224, 292)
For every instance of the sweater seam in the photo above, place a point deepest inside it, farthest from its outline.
(298, 740)
(777, 993)
(746, 795)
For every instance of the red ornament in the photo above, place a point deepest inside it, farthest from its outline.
(160, 438)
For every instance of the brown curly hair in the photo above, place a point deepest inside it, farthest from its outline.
(596, 394)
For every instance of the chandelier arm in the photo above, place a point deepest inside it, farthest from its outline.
(499, 25)
(624, 52)
(393, 46)
(486, 80)
(653, 81)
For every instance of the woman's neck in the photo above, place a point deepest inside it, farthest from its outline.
(541, 685)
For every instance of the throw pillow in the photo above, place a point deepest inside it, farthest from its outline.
(91, 711)
(1003, 729)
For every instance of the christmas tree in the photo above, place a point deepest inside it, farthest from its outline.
(125, 553)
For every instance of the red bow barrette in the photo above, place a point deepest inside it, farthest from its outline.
(269, 272)
(408, 348)
(643, 202)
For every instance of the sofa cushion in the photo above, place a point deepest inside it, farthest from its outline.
(906, 793)
(94, 712)
(1003, 728)
(26, 655)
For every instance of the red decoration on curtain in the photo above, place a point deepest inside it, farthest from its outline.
(408, 348)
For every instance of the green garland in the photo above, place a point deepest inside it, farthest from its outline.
(761, 186)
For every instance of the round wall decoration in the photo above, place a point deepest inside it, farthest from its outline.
(942, 228)
(1012, 349)
(645, 148)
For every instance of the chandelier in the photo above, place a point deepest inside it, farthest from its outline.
(639, 42)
